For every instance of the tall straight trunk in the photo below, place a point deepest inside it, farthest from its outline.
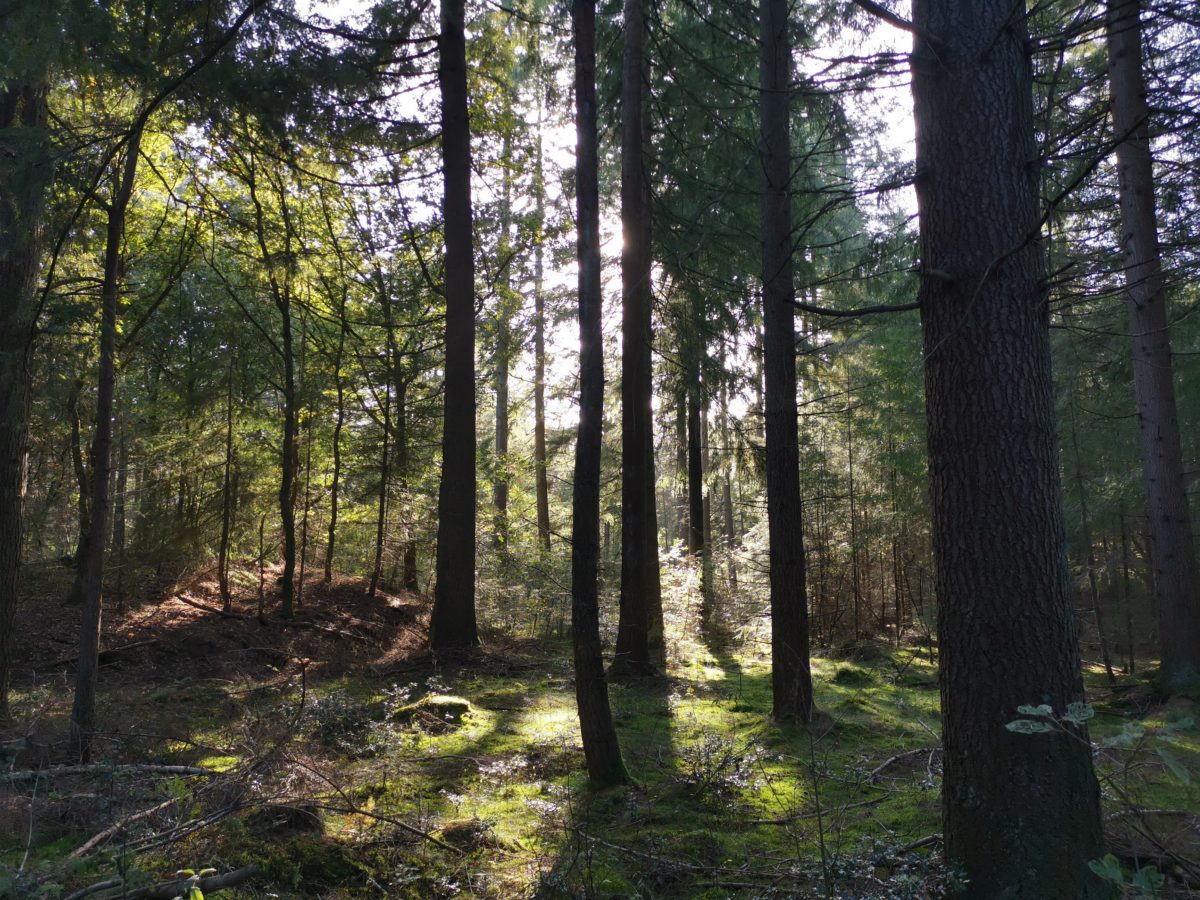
(1131, 663)
(791, 677)
(336, 478)
(26, 171)
(226, 499)
(600, 748)
(452, 625)
(1172, 551)
(640, 645)
(83, 490)
(384, 475)
(855, 573)
(1021, 813)
(306, 509)
(403, 463)
(83, 710)
(1090, 552)
(541, 483)
(121, 486)
(506, 309)
(290, 462)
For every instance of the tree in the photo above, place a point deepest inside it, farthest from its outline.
(1173, 553)
(603, 754)
(640, 646)
(26, 172)
(1005, 621)
(452, 626)
(791, 678)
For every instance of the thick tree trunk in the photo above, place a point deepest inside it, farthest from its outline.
(1021, 812)
(600, 748)
(26, 171)
(83, 711)
(1172, 551)
(452, 625)
(791, 678)
(640, 647)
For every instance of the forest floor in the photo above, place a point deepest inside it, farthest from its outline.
(335, 756)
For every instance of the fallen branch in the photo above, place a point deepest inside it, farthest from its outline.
(104, 656)
(102, 769)
(97, 839)
(167, 890)
(787, 820)
(891, 761)
(208, 609)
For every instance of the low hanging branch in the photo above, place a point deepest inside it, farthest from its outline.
(854, 313)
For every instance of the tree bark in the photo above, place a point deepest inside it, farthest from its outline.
(1021, 812)
(452, 625)
(26, 172)
(1172, 550)
(791, 678)
(83, 711)
(506, 309)
(600, 748)
(640, 647)
(339, 423)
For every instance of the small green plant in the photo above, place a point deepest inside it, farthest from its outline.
(1142, 884)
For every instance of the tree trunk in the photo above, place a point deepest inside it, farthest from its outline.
(791, 678)
(600, 748)
(83, 489)
(506, 309)
(226, 499)
(640, 645)
(83, 711)
(1172, 552)
(1021, 812)
(452, 625)
(384, 473)
(541, 484)
(118, 535)
(26, 171)
(339, 422)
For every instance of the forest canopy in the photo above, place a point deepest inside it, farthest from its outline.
(557, 448)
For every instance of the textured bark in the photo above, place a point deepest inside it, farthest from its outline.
(600, 748)
(83, 710)
(791, 678)
(640, 645)
(1172, 551)
(452, 625)
(1020, 812)
(26, 171)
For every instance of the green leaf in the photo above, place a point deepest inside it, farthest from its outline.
(1148, 879)
(1028, 726)
(1108, 868)
(194, 893)
(1174, 764)
(1078, 713)
(1044, 711)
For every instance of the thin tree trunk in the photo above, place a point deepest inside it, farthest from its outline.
(507, 308)
(339, 422)
(1131, 664)
(384, 475)
(1172, 551)
(452, 625)
(791, 678)
(226, 499)
(640, 647)
(1021, 813)
(307, 508)
(118, 537)
(541, 484)
(84, 491)
(83, 710)
(600, 748)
